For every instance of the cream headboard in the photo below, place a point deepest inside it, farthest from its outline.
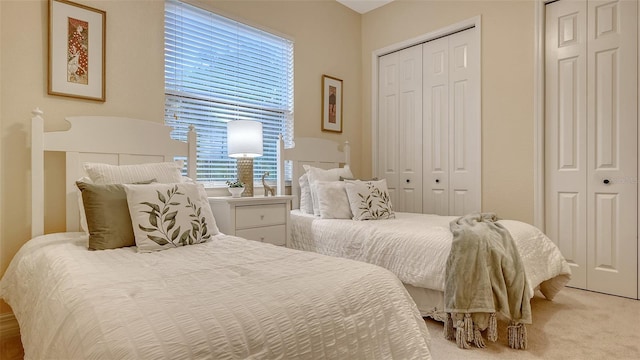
(321, 153)
(105, 139)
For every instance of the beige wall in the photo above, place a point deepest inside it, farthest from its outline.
(507, 87)
(327, 41)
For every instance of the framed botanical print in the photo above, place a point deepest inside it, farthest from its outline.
(331, 104)
(77, 35)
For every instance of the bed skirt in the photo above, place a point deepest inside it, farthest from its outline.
(430, 302)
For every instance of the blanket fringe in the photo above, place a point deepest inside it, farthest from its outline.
(492, 330)
(468, 326)
(449, 331)
(517, 336)
(478, 341)
(461, 335)
(466, 333)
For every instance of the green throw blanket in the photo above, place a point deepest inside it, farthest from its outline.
(484, 276)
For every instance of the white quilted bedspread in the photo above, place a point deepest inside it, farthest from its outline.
(415, 247)
(229, 298)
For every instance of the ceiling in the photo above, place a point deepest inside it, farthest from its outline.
(362, 6)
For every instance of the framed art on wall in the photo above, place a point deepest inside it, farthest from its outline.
(331, 104)
(77, 35)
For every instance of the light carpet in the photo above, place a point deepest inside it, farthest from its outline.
(577, 324)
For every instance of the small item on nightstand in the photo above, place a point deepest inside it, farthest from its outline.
(235, 188)
(267, 188)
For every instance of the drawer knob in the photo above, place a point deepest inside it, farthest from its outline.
(261, 217)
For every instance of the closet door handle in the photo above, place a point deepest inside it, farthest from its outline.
(606, 181)
(408, 181)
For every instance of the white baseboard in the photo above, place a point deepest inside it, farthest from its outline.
(8, 325)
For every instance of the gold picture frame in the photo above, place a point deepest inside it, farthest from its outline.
(331, 104)
(77, 36)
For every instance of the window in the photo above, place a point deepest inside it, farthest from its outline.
(218, 70)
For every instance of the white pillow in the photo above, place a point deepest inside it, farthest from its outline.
(317, 174)
(369, 200)
(164, 172)
(333, 200)
(165, 216)
(306, 204)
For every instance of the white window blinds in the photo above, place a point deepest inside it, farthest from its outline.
(218, 70)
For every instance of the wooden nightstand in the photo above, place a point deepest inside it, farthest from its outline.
(259, 218)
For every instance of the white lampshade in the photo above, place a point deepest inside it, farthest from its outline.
(244, 138)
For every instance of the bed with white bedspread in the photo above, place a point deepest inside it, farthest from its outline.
(414, 247)
(228, 298)
(220, 297)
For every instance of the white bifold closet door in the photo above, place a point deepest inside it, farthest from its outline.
(399, 149)
(591, 139)
(452, 153)
(428, 129)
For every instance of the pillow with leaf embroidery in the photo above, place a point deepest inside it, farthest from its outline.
(369, 200)
(165, 216)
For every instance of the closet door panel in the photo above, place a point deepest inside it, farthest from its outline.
(612, 135)
(436, 126)
(400, 127)
(410, 131)
(464, 124)
(566, 133)
(388, 100)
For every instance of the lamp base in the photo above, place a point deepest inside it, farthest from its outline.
(245, 174)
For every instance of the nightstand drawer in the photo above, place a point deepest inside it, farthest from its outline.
(260, 215)
(275, 235)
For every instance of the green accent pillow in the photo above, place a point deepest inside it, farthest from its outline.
(108, 217)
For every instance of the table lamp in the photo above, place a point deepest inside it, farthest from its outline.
(244, 142)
